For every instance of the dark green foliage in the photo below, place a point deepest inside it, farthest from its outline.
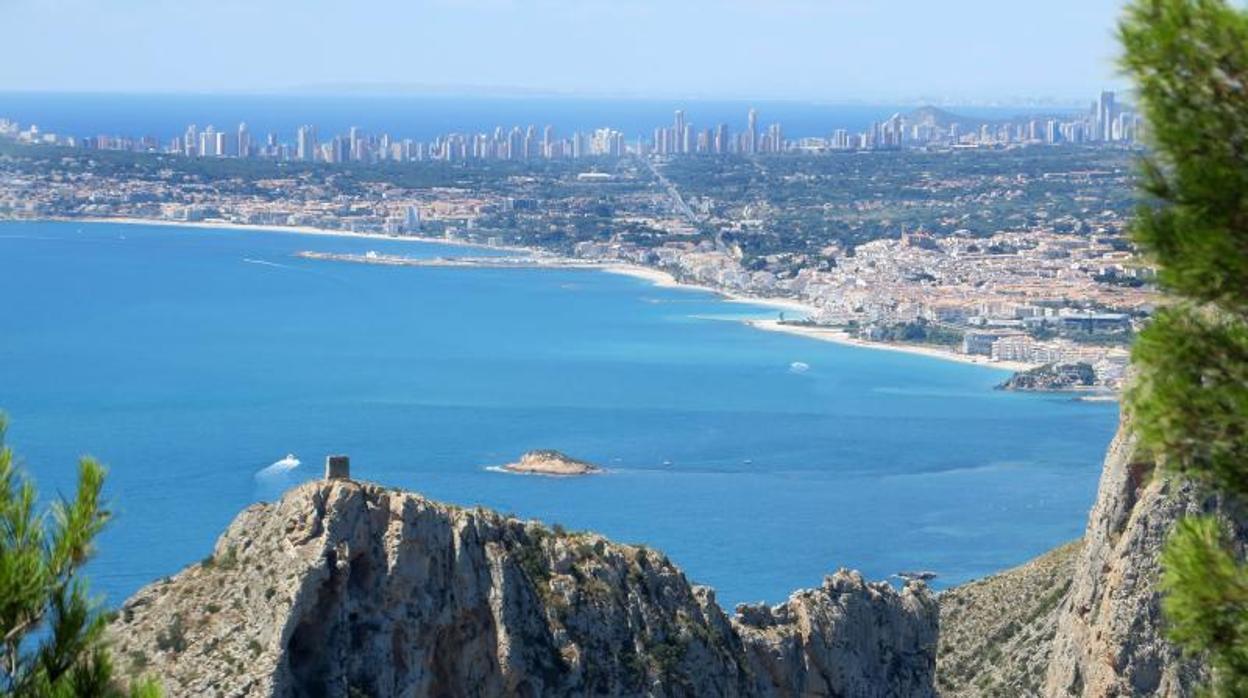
(1190, 400)
(667, 656)
(806, 202)
(1189, 59)
(173, 638)
(798, 205)
(1207, 600)
(920, 332)
(52, 632)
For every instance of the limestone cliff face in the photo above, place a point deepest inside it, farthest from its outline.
(345, 588)
(1110, 640)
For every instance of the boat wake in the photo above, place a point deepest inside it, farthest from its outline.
(281, 467)
(267, 263)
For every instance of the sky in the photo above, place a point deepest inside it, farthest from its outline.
(827, 50)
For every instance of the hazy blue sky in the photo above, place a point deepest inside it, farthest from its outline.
(812, 49)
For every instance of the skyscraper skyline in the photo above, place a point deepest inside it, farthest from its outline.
(1105, 115)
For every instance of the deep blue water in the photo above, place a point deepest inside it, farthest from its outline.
(188, 368)
(167, 115)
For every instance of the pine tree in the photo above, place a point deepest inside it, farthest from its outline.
(1189, 403)
(52, 632)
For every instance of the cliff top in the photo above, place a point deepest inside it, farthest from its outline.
(343, 586)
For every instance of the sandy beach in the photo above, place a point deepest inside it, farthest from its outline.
(657, 277)
(296, 230)
(831, 334)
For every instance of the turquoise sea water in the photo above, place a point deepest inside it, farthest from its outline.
(189, 360)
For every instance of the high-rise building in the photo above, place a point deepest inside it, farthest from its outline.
(208, 142)
(530, 142)
(776, 138)
(305, 146)
(679, 130)
(1105, 116)
(515, 141)
(411, 220)
(339, 150)
(190, 142)
(840, 139)
(751, 134)
(244, 141)
(548, 142)
(227, 146)
(607, 141)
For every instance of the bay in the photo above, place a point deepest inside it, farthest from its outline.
(190, 360)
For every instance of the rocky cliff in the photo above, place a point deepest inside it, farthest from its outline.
(345, 588)
(1052, 377)
(1084, 620)
(1110, 639)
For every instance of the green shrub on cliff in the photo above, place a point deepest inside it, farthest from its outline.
(52, 633)
(1189, 60)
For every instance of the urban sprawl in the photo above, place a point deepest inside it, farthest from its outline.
(1105, 121)
(1002, 239)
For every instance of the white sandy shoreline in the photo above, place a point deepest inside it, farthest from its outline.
(285, 229)
(657, 277)
(661, 278)
(838, 336)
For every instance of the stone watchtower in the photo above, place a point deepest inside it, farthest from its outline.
(337, 468)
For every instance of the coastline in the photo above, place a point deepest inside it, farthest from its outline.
(284, 229)
(665, 279)
(838, 336)
(658, 277)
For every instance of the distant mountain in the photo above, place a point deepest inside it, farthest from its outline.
(942, 119)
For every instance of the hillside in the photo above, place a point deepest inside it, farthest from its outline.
(345, 588)
(996, 632)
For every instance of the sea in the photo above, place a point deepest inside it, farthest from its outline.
(191, 360)
(422, 117)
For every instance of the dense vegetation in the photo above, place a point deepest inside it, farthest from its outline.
(483, 175)
(784, 212)
(52, 632)
(803, 203)
(1189, 59)
(919, 332)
